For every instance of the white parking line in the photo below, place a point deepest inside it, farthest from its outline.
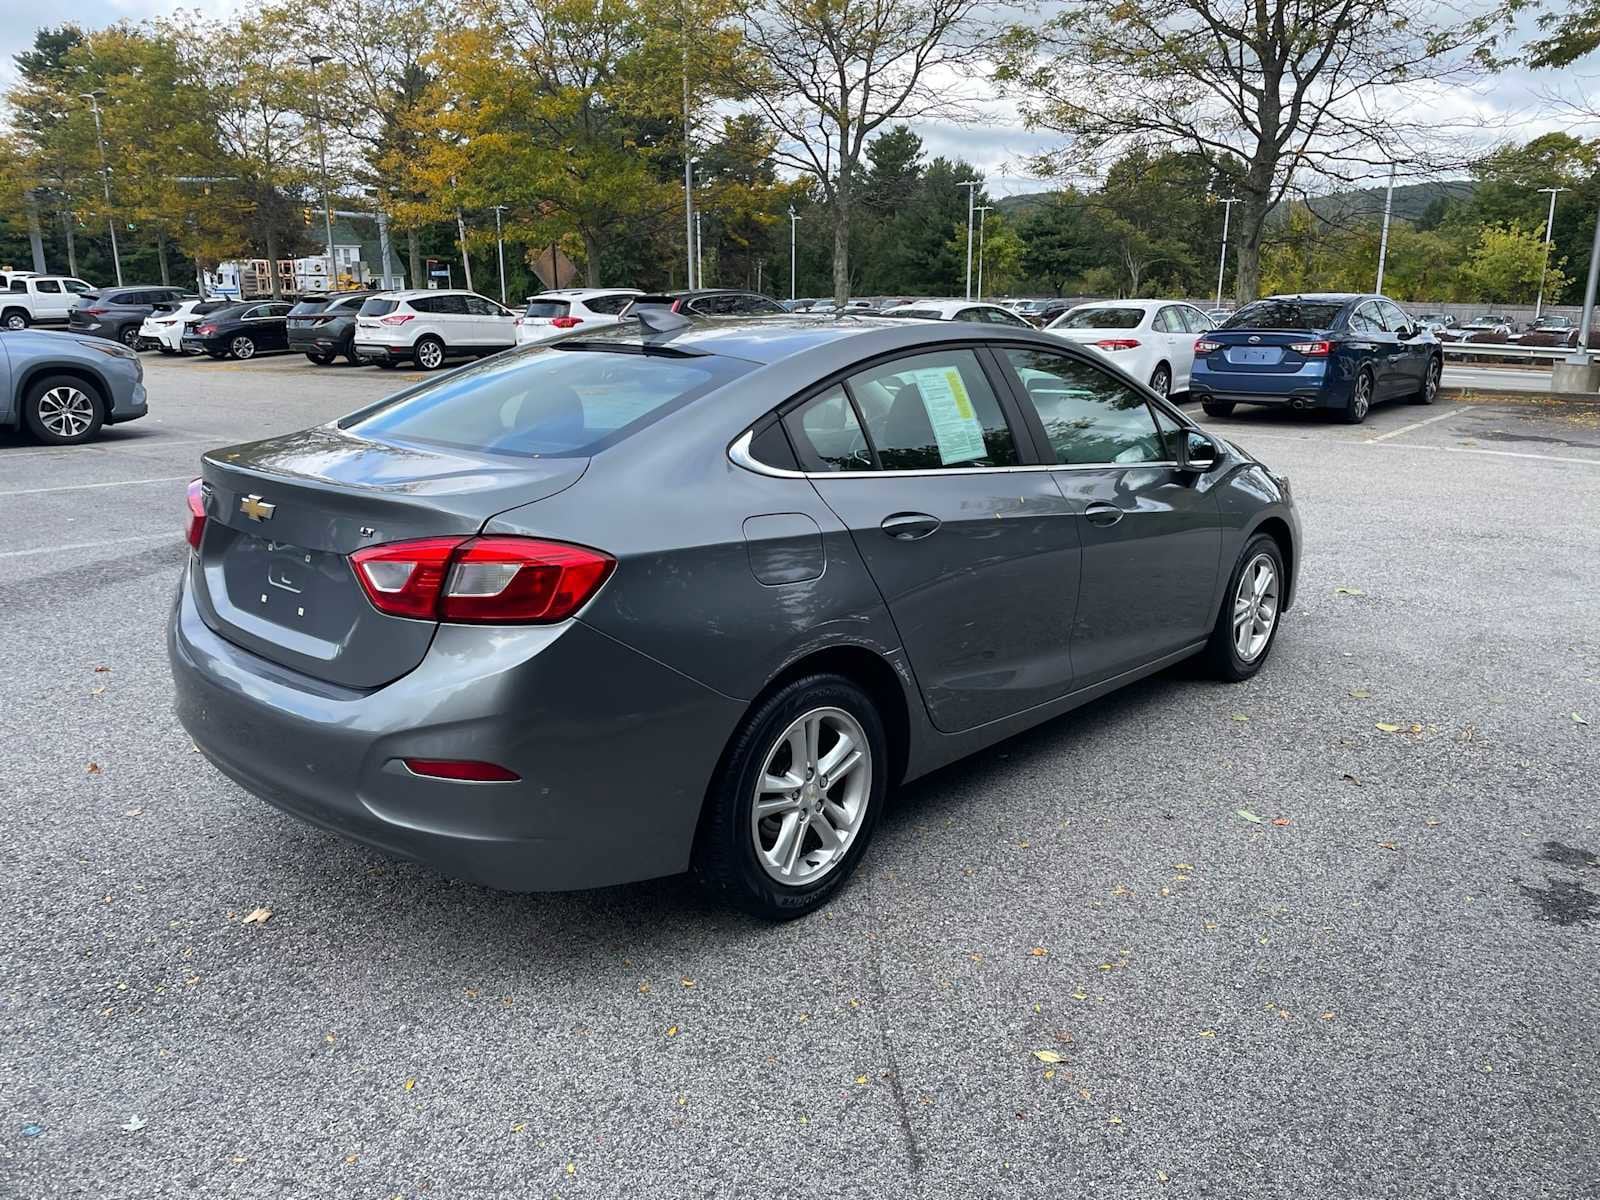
(1384, 437)
(82, 487)
(131, 444)
(1283, 437)
(171, 536)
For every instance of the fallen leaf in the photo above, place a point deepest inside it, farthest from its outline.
(1579, 719)
(1080, 995)
(518, 1126)
(101, 670)
(1281, 821)
(1349, 778)
(1049, 1074)
(1241, 716)
(1388, 846)
(133, 1124)
(572, 1168)
(1348, 591)
(411, 1084)
(134, 812)
(1183, 866)
(1161, 1177)
(644, 987)
(258, 917)
(861, 1080)
(672, 1031)
(1113, 1119)
(1388, 728)
(1208, 1033)
(1248, 816)
(1038, 952)
(1359, 693)
(1327, 1016)
(96, 691)
(686, 981)
(92, 769)
(1047, 1056)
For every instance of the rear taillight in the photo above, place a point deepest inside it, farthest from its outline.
(1206, 346)
(197, 513)
(1117, 344)
(566, 322)
(1313, 349)
(205, 330)
(93, 312)
(677, 305)
(466, 770)
(518, 323)
(481, 580)
(397, 319)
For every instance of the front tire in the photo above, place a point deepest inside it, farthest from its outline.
(322, 360)
(428, 353)
(1430, 383)
(796, 800)
(1217, 408)
(14, 319)
(62, 411)
(242, 347)
(1247, 624)
(1360, 403)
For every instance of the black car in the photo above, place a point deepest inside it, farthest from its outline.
(118, 312)
(714, 302)
(241, 330)
(324, 327)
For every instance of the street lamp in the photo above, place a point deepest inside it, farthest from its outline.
(500, 246)
(105, 174)
(316, 60)
(972, 186)
(1383, 240)
(1227, 203)
(981, 210)
(794, 220)
(1549, 233)
(691, 233)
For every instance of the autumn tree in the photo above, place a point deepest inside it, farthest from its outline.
(1295, 89)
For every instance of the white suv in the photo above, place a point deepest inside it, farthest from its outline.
(427, 327)
(550, 315)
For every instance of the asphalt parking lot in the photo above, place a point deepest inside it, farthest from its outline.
(1330, 933)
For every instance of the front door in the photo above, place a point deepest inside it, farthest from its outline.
(50, 300)
(1416, 353)
(976, 560)
(1151, 533)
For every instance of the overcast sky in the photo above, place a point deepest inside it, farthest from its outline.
(1513, 106)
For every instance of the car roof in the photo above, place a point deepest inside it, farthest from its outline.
(584, 293)
(1324, 297)
(1126, 304)
(943, 306)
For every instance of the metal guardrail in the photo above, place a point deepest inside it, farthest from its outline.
(1507, 350)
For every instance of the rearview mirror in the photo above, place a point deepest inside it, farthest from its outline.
(1196, 452)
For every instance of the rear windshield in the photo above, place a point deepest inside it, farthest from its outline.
(1100, 318)
(306, 307)
(211, 306)
(546, 308)
(551, 402)
(1285, 314)
(378, 308)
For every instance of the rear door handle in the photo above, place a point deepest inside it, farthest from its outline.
(908, 526)
(1101, 513)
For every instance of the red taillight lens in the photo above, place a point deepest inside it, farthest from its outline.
(1313, 349)
(197, 513)
(93, 312)
(1206, 346)
(1118, 344)
(481, 581)
(397, 319)
(205, 330)
(566, 322)
(677, 305)
(461, 769)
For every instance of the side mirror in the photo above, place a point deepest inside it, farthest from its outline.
(1196, 452)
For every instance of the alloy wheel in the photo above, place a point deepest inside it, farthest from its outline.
(242, 347)
(1255, 608)
(16, 321)
(67, 412)
(1161, 382)
(130, 337)
(1361, 398)
(430, 355)
(1430, 390)
(811, 796)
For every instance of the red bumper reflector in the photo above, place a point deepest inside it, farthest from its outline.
(461, 769)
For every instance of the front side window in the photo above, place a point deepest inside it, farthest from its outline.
(1393, 317)
(1196, 321)
(933, 411)
(1088, 416)
(828, 435)
(999, 316)
(50, 286)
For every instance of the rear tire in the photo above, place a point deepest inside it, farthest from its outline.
(128, 335)
(388, 364)
(1360, 403)
(61, 410)
(14, 319)
(778, 864)
(428, 353)
(1247, 623)
(1430, 383)
(242, 347)
(1217, 408)
(1161, 381)
(322, 360)
(165, 349)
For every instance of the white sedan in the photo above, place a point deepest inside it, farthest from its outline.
(978, 312)
(163, 328)
(1151, 340)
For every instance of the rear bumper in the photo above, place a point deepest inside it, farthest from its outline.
(1316, 385)
(309, 341)
(379, 352)
(615, 750)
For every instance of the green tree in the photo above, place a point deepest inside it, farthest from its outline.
(1061, 240)
(1505, 264)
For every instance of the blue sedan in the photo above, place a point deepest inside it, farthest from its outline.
(1334, 351)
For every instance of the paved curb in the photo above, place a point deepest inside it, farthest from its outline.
(1488, 395)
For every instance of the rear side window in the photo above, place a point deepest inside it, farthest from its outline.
(19, 285)
(918, 314)
(555, 402)
(933, 411)
(1285, 314)
(547, 308)
(378, 308)
(608, 305)
(828, 435)
(1088, 415)
(1100, 318)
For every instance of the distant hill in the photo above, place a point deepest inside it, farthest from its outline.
(1411, 200)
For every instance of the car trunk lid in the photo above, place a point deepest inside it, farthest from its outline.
(1259, 351)
(284, 515)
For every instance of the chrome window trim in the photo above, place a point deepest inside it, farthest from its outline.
(739, 454)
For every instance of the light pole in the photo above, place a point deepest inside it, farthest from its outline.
(1383, 240)
(981, 210)
(972, 191)
(105, 175)
(500, 246)
(316, 60)
(1227, 203)
(699, 254)
(1549, 232)
(794, 220)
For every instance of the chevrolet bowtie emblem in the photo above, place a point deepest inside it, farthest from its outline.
(257, 509)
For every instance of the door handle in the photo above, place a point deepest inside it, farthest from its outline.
(1101, 513)
(908, 526)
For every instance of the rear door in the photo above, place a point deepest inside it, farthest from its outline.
(50, 300)
(975, 554)
(1151, 533)
(457, 326)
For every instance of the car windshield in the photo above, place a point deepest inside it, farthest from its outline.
(925, 314)
(557, 402)
(1099, 318)
(1552, 323)
(1286, 314)
(546, 308)
(1487, 320)
(306, 307)
(378, 308)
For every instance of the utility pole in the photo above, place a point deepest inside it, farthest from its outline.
(982, 211)
(793, 222)
(316, 60)
(1227, 203)
(500, 245)
(466, 260)
(1549, 233)
(688, 160)
(1383, 241)
(105, 174)
(699, 256)
(972, 191)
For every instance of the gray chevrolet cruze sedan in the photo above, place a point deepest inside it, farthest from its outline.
(699, 594)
